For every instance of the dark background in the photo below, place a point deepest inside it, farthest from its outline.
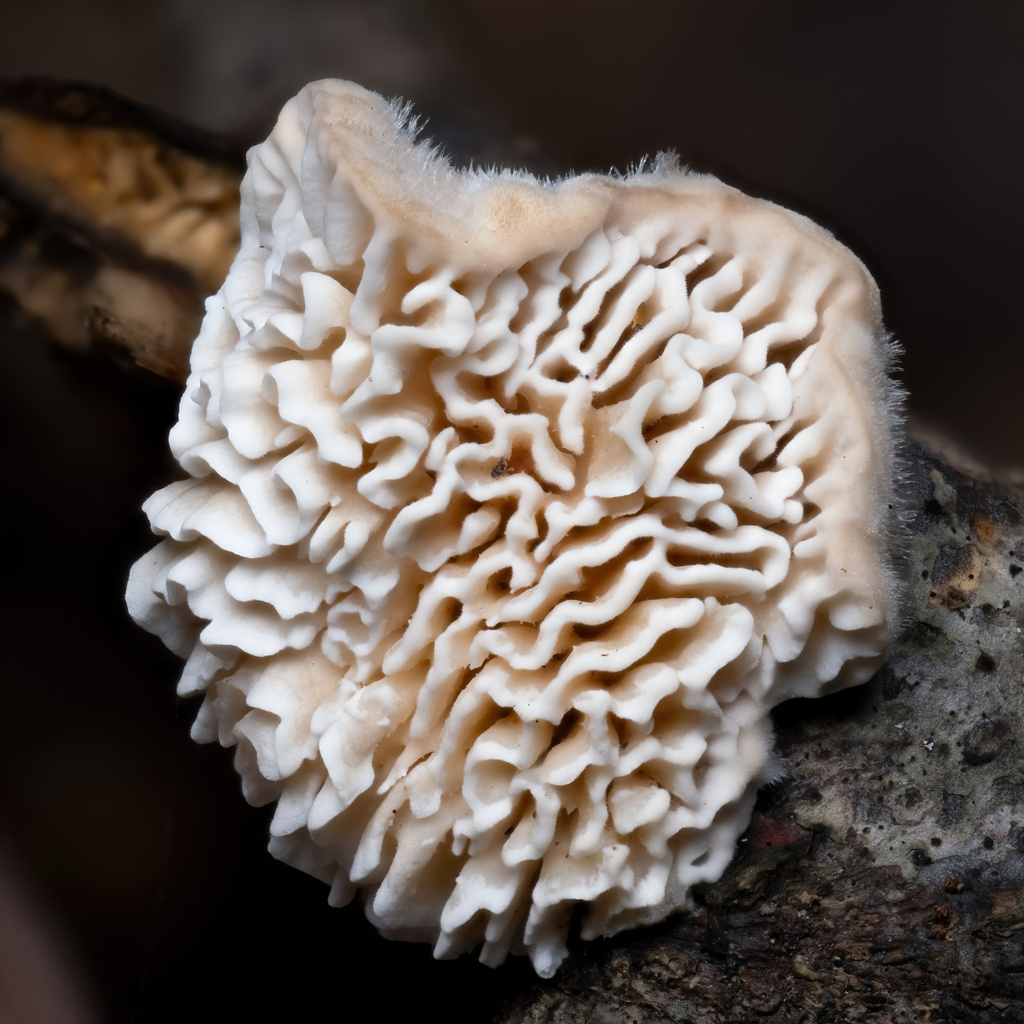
(131, 873)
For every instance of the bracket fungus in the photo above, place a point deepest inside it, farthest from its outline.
(512, 508)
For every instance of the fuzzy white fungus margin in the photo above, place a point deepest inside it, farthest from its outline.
(513, 507)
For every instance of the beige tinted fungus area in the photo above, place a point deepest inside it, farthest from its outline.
(512, 508)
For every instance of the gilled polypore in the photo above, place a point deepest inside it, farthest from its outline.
(512, 508)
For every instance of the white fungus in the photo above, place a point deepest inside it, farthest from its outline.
(512, 508)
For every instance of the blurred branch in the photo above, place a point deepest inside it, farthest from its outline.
(115, 221)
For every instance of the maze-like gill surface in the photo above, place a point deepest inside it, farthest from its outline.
(492, 557)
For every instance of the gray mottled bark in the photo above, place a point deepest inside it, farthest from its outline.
(881, 880)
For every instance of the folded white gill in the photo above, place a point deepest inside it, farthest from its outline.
(512, 508)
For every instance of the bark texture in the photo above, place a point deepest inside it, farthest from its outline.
(881, 880)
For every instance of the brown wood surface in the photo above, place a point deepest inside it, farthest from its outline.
(116, 221)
